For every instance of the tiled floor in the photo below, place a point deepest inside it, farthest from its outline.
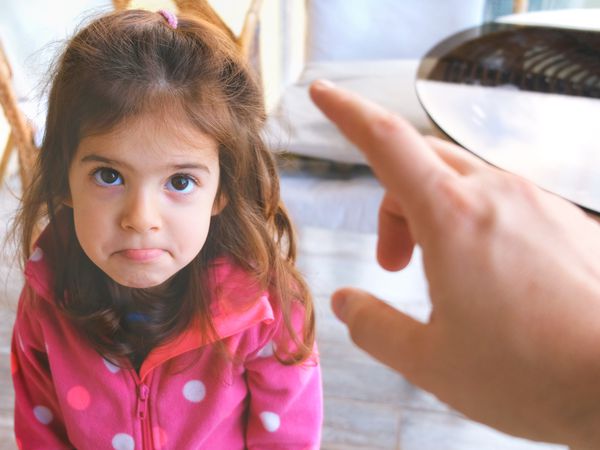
(367, 406)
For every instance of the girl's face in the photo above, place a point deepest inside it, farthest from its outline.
(143, 196)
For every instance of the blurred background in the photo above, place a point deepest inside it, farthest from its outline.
(373, 47)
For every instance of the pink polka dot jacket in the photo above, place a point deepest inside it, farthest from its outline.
(186, 395)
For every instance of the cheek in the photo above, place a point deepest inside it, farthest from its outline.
(191, 230)
(91, 225)
(88, 232)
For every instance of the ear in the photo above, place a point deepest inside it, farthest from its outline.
(219, 204)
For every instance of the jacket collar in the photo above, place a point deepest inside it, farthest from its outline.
(237, 304)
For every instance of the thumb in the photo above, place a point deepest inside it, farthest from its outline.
(392, 337)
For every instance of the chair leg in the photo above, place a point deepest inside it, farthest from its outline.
(24, 173)
(10, 146)
(520, 6)
(247, 36)
(203, 10)
(121, 4)
(20, 130)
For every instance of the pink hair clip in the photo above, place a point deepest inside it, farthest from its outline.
(169, 17)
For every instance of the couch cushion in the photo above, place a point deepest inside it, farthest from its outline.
(299, 127)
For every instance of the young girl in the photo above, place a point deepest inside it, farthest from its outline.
(162, 309)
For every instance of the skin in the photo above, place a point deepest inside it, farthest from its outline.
(514, 280)
(143, 196)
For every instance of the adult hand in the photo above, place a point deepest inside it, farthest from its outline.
(513, 340)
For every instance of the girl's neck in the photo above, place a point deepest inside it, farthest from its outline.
(145, 314)
(126, 293)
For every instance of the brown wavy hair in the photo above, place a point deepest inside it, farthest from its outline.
(124, 64)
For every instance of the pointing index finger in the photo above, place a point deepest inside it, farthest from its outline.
(400, 157)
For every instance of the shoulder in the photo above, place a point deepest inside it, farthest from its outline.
(34, 315)
(47, 250)
(234, 288)
(257, 312)
(240, 305)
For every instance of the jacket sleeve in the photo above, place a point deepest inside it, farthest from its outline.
(38, 419)
(285, 406)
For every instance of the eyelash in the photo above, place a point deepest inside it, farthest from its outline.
(186, 176)
(96, 173)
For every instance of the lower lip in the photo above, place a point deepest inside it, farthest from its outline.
(142, 255)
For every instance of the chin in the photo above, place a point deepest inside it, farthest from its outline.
(139, 285)
(140, 282)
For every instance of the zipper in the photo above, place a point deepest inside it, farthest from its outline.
(142, 406)
(142, 412)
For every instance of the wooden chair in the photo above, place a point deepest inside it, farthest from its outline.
(20, 131)
(201, 8)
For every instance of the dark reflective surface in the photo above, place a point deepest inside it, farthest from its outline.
(524, 98)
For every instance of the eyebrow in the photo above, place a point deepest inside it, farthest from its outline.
(112, 162)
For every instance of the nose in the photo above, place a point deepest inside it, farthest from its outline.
(141, 212)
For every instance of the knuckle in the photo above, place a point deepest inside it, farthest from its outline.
(463, 203)
(525, 188)
(435, 141)
(515, 190)
(454, 195)
(385, 125)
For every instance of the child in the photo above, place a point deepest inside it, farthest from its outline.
(162, 308)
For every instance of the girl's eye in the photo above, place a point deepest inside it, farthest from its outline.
(183, 184)
(107, 177)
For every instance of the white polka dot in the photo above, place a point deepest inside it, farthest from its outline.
(270, 421)
(194, 391)
(267, 350)
(43, 414)
(123, 441)
(37, 254)
(110, 366)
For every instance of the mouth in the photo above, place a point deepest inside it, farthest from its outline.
(141, 254)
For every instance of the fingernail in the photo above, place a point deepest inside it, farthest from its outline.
(323, 84)
(338, 305)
